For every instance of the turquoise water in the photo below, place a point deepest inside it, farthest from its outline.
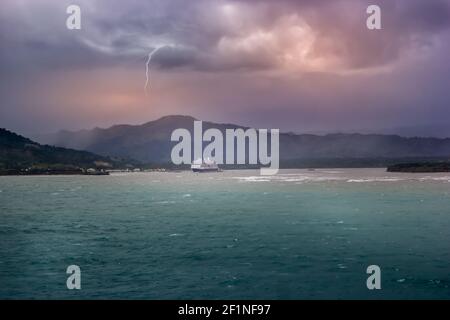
(230, 235)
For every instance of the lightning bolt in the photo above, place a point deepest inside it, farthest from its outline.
(147, 66)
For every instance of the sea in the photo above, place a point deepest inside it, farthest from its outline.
(301, 234)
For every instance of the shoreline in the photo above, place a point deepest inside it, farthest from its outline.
(396, 169)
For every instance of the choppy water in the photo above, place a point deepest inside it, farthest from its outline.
(235, 234)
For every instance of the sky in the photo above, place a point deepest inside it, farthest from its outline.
(301, 66)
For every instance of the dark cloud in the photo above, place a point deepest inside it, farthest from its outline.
(131, 29)
(311, 62)
(424, 16)
(170, 57)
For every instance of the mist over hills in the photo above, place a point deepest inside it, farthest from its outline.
(435, 130)
(150, 143)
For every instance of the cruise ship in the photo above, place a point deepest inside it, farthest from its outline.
(207, 165)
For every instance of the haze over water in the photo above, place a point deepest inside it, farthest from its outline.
(228, 235)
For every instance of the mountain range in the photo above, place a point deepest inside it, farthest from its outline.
(18, 153)
(150, 143)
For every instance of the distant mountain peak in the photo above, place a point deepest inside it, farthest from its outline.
(176, 117)
(170, 119)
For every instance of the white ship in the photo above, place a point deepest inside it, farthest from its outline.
(207, 165)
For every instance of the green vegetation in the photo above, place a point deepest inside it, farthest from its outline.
(19, 155)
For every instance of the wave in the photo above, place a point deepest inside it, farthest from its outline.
(176, 235)
(376, 180)
(288, 178)
(446, 178)
(166, 202)
(330, 176)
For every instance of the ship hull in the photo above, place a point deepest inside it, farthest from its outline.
(205, 169)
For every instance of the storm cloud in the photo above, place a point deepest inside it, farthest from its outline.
(298, 65)
(222, 35)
